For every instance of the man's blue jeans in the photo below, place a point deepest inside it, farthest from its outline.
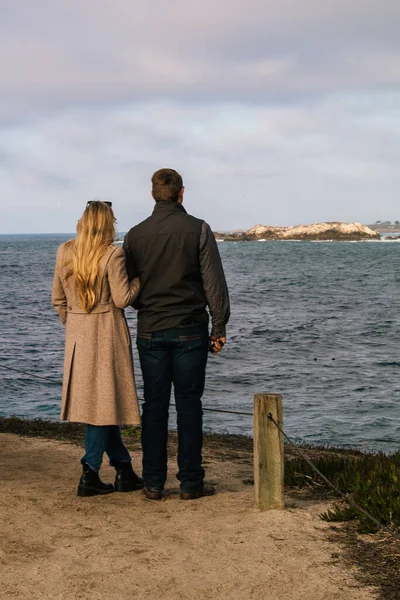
(104, 438)
(175, 356)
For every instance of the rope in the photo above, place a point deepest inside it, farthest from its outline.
(31, 374)
(346, 497)
(231, 412)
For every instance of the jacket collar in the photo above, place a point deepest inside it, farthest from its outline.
(168, 207)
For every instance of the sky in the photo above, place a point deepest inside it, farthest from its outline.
(277, 112)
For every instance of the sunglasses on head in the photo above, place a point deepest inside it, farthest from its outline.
(103, 201)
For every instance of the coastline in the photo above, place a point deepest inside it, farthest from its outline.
(229, 460)
(219, 444)
(383, 239)
(324, 231)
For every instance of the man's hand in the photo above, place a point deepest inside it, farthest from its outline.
(216, 344)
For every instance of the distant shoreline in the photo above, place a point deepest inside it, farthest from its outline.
(220, 232)
(324, 231)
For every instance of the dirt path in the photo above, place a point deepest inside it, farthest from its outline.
(56, 546)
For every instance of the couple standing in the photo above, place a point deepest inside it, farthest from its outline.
(170, 270)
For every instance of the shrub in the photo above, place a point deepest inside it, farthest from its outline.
(371, 480)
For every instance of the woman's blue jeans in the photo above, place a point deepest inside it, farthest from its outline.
(104, 438)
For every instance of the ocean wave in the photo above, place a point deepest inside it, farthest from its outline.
(318, 323)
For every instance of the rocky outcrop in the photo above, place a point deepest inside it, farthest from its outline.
(316, 231)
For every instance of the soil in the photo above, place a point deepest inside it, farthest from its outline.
(57, 546)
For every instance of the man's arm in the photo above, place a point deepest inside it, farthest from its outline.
(214, 282)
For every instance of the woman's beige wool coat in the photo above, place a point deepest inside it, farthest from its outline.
(98, 384)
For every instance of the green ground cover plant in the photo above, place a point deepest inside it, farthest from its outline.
(371, 480)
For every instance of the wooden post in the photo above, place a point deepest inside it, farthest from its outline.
(268, 452)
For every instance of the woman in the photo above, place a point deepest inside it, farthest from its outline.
(90, 291)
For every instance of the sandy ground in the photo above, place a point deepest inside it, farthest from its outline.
(58, 546)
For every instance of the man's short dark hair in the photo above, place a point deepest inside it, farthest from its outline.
(167, 185)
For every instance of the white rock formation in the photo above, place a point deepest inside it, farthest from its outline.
(316, 230)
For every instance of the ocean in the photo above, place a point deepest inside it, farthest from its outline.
(318, 322)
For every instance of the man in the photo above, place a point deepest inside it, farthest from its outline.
(177, 259)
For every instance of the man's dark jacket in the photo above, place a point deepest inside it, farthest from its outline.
(177, 259)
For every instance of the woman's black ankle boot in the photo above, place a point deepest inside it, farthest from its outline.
(126, 479)
(90, 483)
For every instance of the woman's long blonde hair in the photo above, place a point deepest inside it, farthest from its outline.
(95, 232)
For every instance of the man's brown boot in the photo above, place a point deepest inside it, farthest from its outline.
(206, 490)
(153, 494)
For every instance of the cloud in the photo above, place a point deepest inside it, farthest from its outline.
(275, 111)
(55, 54)
(278, 165)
